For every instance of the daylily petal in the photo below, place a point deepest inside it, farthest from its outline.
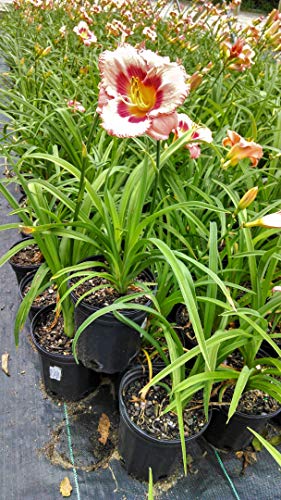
(102, 100)
(116, 68)
(162, 126)
(173, 81)
(122, 126)
(271, 221)
(194, 150)
(204, 134)
(233, 138)
(197, 133)
(239, 55)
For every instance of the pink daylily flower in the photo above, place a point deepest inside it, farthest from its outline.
(85, 34)
(240, 149)
(75, 106)
(150, 33)
(197, 133)
(272, 221)
(139, 92)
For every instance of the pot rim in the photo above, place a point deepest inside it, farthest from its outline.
(138, 371)
(28, 266)
(23, 282)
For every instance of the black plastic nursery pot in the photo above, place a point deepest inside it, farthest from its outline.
(139, 451)
(63, 378)
(20, 270)
(277, 418)
(107, 345)
(235, 436)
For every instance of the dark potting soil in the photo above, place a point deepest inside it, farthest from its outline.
(45, 298)
(254, 402)
(27, 256)
(183, 324)
(49, 334)
(106, 295)
(242, 293)
(147, 414)
(235, 360)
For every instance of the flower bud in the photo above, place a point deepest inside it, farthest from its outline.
(27, 229)
(84, 150)
(247, 199)
(46, 51)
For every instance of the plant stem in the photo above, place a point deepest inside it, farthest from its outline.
(153, 201)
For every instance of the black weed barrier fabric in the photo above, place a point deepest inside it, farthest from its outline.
(43, 441)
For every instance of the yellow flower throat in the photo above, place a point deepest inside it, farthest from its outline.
(143, 97)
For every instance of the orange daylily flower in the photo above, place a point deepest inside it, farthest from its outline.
(239, 55)
(240, 149)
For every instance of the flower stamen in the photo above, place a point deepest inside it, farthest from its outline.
(142, 96)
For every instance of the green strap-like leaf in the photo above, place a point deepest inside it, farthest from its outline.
(183, 279)
(239, 388)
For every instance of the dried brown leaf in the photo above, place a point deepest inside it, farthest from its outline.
(248, 458)
(103, 428)
(65, 487)
(5, 361)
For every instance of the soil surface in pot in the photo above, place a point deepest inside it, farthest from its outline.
(253, 402)
(106, 294)
(147, 414)
(49, 333)
(29, 255)
(45, 298)
(183, 324)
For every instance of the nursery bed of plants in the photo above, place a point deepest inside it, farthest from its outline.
(35, 430)
(140, 250)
